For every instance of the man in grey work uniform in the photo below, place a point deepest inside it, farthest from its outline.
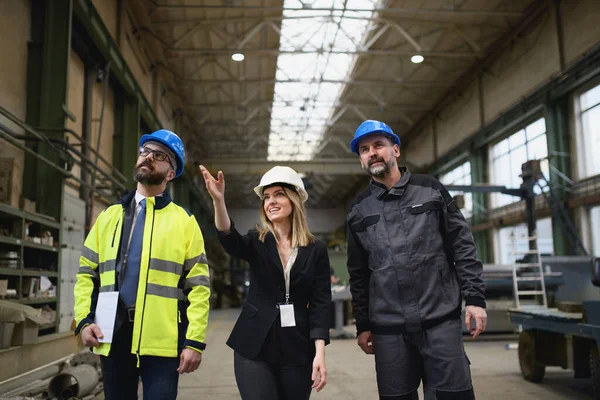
(411, 255)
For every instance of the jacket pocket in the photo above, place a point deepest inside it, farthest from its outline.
(425, 207)
(386, 299)
(362, 225)
(449, 282)
(444, 279)
(423, 227)
(372, 234)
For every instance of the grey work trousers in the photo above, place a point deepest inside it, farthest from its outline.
(435, 356)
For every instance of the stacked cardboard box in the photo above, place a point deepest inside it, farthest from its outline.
(27, 322)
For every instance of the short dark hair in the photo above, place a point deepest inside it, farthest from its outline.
(392, 141)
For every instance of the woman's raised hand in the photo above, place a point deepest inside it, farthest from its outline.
(216, 188)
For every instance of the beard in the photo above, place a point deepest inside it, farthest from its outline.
(151, 177)
(380, 170)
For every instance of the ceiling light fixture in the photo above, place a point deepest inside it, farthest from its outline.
(237, 57)
(417, 59)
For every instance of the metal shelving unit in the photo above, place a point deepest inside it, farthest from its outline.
(21, 259)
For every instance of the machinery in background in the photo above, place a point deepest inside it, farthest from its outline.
(532, 176)
(500, 296)
(563, 331)
(567, 285)
(506, 284)
(568, 338)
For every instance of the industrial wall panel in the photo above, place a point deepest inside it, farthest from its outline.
(72, 231)
(581, 27)
(420, 152)
(103, 124)
(165, 113)
(99, 206)
(75, 103)
(459, 120)
(135, 59)
(528, 63)
(108, 11)
(14, 35)
(73, 191)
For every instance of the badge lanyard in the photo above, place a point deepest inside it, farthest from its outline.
(287, 310)
(286, 274)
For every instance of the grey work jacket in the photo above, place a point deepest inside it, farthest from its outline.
(411, 255)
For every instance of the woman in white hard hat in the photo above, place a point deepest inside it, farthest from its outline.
(280, 336)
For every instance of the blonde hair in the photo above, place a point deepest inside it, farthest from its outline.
(301, 236)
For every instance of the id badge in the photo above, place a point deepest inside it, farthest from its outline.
(287, 315)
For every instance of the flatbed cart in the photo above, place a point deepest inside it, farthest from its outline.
(551, 337)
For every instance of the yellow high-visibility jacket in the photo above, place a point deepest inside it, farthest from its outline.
(172, 303)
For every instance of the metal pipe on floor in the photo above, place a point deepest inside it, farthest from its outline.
(24, 380)
(21, 390)
(37, 389)
(73, 382)
(40, 373)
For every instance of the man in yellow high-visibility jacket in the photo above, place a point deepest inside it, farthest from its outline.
(150, 251)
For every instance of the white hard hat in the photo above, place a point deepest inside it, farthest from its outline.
(285, 175)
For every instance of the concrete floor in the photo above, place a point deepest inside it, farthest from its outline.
(351, 373)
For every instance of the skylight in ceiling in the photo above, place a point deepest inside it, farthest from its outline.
(302, 103)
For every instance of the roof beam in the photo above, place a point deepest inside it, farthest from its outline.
(381, 10)
(245, 103)
(407, 36)
(333, 139)
(229, 21)
(183, 52)
(342, 166)
(251, 34)
(266, 122)
(376, 36)
(467, 39)
(251, 115)
(188, 34)
(388, 83)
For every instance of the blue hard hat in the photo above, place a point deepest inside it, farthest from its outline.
(172, 141)
(372, 127)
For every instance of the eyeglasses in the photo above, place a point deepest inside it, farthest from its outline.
(157, 154)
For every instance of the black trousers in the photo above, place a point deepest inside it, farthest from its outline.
(121, 375)
(261, 380)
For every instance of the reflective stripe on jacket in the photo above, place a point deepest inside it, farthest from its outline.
(172, 303)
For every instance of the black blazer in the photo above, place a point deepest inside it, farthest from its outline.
(310, 292)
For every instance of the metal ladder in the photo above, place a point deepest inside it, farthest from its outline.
(537, 277)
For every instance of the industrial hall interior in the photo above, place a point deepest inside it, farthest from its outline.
(238, 199)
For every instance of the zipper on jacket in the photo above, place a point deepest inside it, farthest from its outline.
(115, 234)
(145, 289)
(179, 316)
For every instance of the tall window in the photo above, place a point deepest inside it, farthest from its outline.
(460, 175)
(507, 156)
(508, 237)
(595, 224)
(589, 119)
